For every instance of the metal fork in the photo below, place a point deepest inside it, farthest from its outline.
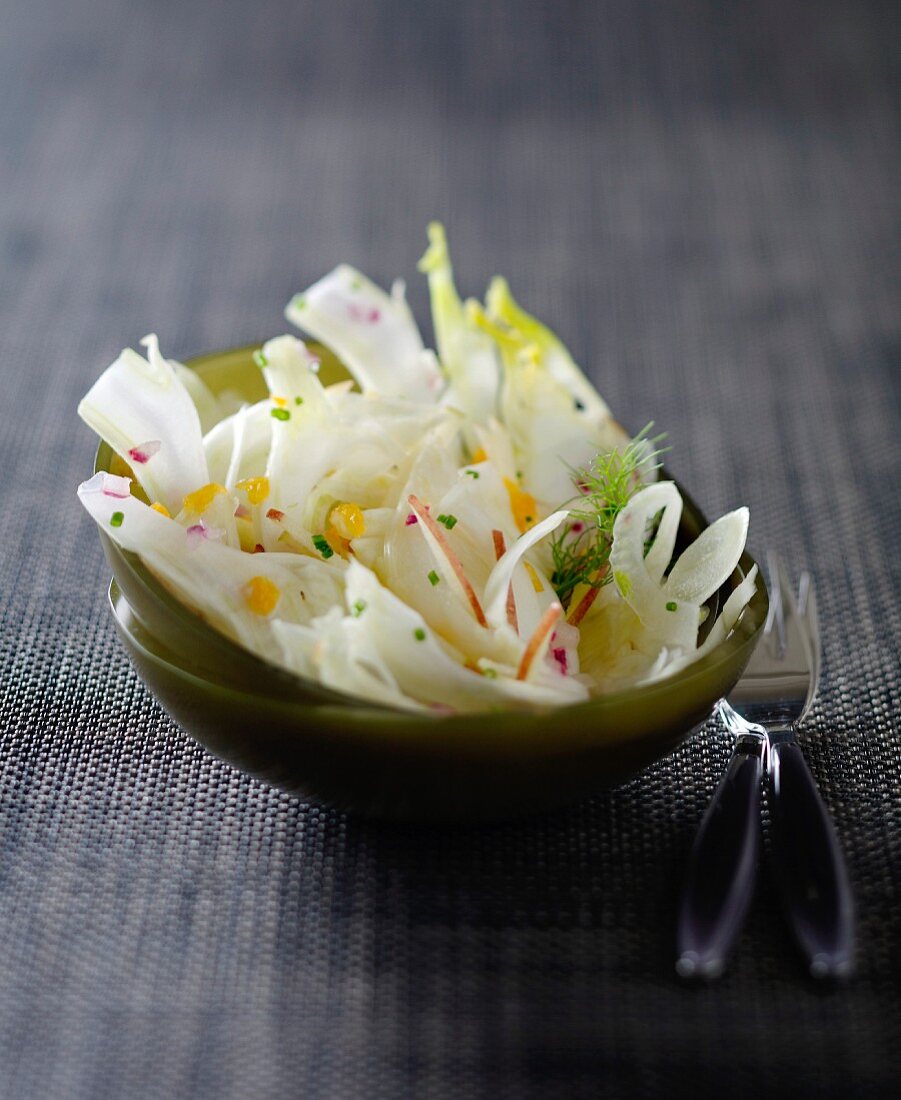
(771, 698)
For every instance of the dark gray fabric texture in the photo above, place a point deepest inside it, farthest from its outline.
(702, 200)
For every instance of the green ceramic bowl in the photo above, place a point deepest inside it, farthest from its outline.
(338, 750)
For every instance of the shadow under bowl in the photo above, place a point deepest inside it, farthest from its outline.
(352, 755)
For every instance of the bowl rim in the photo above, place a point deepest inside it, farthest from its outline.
(745, 633)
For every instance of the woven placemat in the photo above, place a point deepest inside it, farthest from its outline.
(703, 202)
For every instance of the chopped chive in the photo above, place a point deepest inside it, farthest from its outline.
(472, 473)
(260, 359)
(672, 606)
(580, 405)
(433, 578)
(116, 519)
(419, 634)
(358, 608)
(280, 414)
(321, 544)
(450, 522)
(298, 400)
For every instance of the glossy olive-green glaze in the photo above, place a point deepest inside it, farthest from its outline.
(338, 750)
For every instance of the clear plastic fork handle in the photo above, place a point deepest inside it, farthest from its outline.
(722, 866)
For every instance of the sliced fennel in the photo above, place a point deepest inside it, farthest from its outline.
(466, 532)
(137, 404)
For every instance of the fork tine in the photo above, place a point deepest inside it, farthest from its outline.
(788, 622)
(780, 597)
(774, 615)
(804, 582)
(810, 614)
(811, 623)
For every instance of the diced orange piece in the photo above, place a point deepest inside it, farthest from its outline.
(161, 508)
(201, 499)
(479, 456)
(348, 520)
(522, 504)
(338, 543)
(261, 595)
(257, 488)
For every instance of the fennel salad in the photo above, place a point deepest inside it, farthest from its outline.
(464, 529)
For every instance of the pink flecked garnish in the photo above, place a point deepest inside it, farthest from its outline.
(144, 451)
(115, 486)
(410, 520)
(577, 528)
(199, 532)
(360, 313)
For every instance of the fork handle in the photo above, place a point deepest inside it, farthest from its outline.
(720, 880)
(809, 867)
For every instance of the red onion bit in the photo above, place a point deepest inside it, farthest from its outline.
(559, 655)
(199, 532)
(115, 486)
(368, 315)
(144, 451)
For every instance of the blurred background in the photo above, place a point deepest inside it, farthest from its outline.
(692, 194)
(702, 199)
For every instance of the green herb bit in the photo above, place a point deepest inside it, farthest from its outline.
(433, 578)
(672, 605)
(419, 634)
(450, 522)
(489, 673)
(116, 519)
(473, 473)
(298, 400)
(605, 488)
(280, 414)
(260, 359)
(321, 544)
(298, 301)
